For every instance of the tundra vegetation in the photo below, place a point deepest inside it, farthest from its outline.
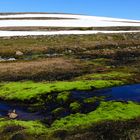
(48, 69)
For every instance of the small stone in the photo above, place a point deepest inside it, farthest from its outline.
(19, 53)
(11, 59)
(70, 51)
(12, 115)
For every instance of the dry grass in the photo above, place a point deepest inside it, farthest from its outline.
(43, 69)
(122, 47)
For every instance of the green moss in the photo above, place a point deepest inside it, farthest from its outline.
(75, 107)
(93, 99)
(111, 75)
(76, 122)
(49, 99)
(106, 111)
(58, 111)
(27, 90)
(63, 97)
(36, 107)
(31, 127)
(100, 61)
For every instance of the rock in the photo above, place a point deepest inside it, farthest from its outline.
(11, 59)
(6, 59)
(70, 51)
(13, 114)
(19, 53)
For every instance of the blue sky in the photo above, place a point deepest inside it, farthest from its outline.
(111, 8)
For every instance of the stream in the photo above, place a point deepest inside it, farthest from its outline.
(121, 93)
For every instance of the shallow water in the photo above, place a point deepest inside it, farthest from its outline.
(122, 93)
(22, 113)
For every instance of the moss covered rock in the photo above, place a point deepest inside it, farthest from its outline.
(75, 107)
(58, 111)
(63, 97)
(93, 100)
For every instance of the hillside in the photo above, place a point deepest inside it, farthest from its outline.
(22, 24)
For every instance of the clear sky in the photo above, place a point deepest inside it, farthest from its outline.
(111, 8)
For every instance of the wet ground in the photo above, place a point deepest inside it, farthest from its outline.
(122, 93)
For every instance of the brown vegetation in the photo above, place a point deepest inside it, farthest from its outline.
(46, 69)
(113, 46)
(71, 44)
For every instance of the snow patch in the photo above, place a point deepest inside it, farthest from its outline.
(39, 33)
(76, 21)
